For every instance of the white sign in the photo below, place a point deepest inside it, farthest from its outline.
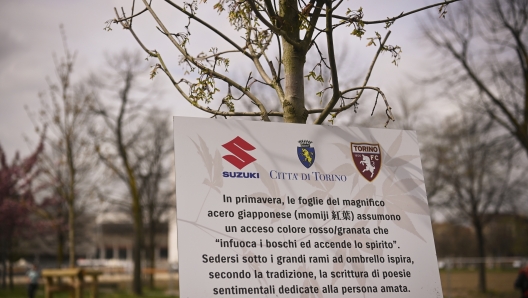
(288, 210)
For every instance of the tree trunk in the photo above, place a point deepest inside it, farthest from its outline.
(294, 60)
(293, 105)
(4, 264)
(71, 233)
(10, 258)
(11, 283)
(151, 250)
(71, 198)
(60, 248)
(136, 254)
(481, 254)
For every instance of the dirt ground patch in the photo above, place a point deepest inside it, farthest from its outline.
(462, 284)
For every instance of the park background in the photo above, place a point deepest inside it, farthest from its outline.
(45, 44)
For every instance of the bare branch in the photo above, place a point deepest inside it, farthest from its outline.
(194, 17)
(206, 70)
(330, 106)
(391, 20)
(388, 109)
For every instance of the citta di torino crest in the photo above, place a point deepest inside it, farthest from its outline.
(367, 158)
(306, 153)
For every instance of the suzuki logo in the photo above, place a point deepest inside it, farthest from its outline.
(238, 147)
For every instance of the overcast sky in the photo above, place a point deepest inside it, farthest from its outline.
(29, 34)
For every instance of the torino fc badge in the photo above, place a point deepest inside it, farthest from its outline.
(367, 158)
(306, 153)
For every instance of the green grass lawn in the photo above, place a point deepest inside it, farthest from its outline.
(21, 292)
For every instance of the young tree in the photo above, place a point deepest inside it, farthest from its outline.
(290, 30)
(124, 145)
(68, 162)
(476, 176)
(16, 195)
(157, 195)
(483, 48)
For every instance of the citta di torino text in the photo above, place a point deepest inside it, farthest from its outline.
(317, 176)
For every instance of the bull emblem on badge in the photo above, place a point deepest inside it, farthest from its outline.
(367, 158)
(306, 153)
(369, 165)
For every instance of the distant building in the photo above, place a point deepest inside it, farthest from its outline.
(115, 236)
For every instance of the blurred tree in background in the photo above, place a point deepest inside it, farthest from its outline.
(482, 52)
(473, 176)
(133, 142)
(116, 145)
(16, 196)
(482, 46)
(157, 192)
(68, 164)
(134, 145)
